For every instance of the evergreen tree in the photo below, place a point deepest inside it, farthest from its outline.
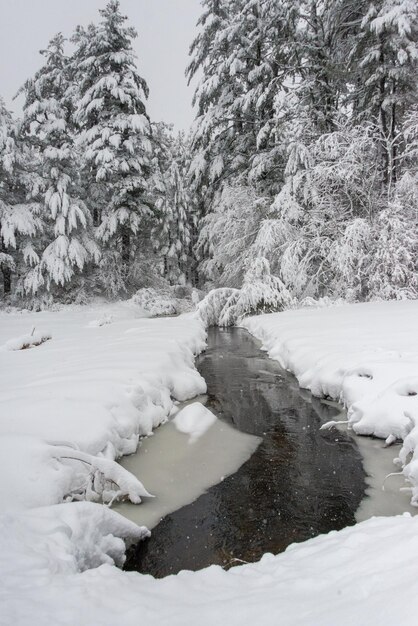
(178, 218)
(19, 219)
(385, 63)
(172, 235)
(48, 124)
(214, 96)
(114, 129)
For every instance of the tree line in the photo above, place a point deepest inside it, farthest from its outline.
(303, 158)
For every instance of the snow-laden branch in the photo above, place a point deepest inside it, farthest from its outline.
(104, 476)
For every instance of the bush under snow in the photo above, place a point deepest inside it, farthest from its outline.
(260, 293)
(35, 338)
(160, 302)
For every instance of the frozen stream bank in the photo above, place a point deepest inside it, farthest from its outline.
(299, 482)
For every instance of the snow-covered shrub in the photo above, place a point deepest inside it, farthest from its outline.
(102, 321)
(260, 293)
(320, 303)
(216, 304)
(35, 338)
(102, 479)
(163, 301)
(155, 302)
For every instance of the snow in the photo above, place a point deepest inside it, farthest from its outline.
(57, 570)
(30, 340)
(74, 404)
(92, 390)
(363, 355)
(194, 420)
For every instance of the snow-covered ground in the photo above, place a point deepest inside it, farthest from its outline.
(361, 576)
(92, 388)
(72, 405)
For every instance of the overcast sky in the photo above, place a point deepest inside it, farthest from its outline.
(165, 27)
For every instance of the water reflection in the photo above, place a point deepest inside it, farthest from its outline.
(299, 483)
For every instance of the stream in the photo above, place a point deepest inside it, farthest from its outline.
(298, 482)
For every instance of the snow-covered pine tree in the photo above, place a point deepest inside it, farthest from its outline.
(323, 39)
(159, 188)
(114, 131)
(242, 52)
(19, 219)
(47, 123)
(265, 51)
(385, 66)
(7, 159)
(176, 213)
(214, 128)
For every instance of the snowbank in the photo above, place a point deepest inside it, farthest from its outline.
(363, 355)
(74, 404)
(361, 575)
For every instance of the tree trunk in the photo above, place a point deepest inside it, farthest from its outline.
(5, 269)
(7, 279)
(97, 217)
(383, 122)
(392, 146)
(126, 247)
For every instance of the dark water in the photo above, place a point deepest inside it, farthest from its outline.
(299, 483)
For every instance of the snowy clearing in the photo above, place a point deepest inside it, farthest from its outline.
(363, 355)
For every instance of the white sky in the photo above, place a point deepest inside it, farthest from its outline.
(165, 28)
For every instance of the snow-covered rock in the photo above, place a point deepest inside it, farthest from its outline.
(194, 420)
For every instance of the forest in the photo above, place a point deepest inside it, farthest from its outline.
(208, 336)
(302, 160)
